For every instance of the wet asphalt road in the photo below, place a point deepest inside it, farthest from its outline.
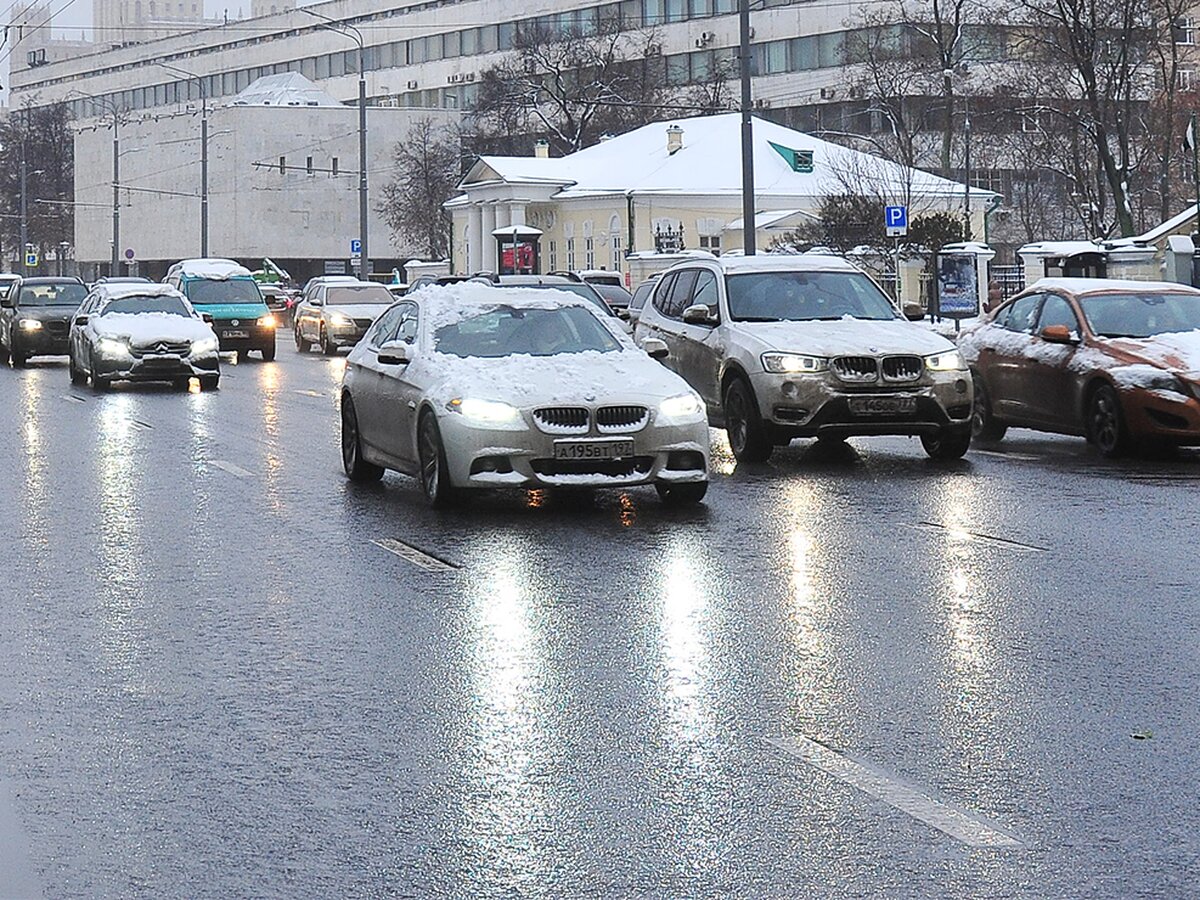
(214, 684)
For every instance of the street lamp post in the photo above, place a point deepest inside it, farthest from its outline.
(355, 35)
(967, 180)
(109, 106)
(24, 210)
(203, 153)
(747, 131)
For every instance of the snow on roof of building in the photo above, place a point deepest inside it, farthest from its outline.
(708, 163)
(289, 89)
(1167, 227)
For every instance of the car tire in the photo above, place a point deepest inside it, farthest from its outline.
(4, 357)
(947, 443)
(242, 356)
(327, 347)
(357, 468)
(431, 456)
(16, 357)
(301, 344)
(268, 353)
(210, 382)
(984, 425)
(1105, 422)
(687, 494)
(78, 376)
(749, 436)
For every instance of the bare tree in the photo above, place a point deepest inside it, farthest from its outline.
(42, 136)
(428, 166)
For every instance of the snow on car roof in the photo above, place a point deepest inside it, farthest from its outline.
(120, 290)
(1108, 285)
(212, 268)
(779, 262)
(445, 304)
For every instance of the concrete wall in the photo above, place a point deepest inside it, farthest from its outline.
(254, 211)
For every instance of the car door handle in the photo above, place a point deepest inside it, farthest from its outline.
(412, 404)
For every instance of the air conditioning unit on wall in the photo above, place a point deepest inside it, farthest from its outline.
(412, 85)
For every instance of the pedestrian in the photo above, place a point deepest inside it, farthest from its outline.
(994, 296)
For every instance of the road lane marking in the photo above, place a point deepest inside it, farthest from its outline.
(308, 393)
(967, 827)
(73, 398)
(974, 536)
(138, 423)
(235, 471)
(418, 558)
(1000, 454)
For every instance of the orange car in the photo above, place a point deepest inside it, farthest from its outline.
(1115, 361)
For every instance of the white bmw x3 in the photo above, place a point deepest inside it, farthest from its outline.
(473, 386)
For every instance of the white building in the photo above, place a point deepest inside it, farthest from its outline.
(283, 182)
(681, 177)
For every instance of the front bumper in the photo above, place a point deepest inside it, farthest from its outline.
(45, 341)
(346, 335)
(166, 367)
(816, 405)
(491, 458)
(1162, 415)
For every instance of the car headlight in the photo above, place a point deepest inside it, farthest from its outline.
(206, 345)
(1166, 382)
(339, 319)
(112, 347)
(30, 325)
(793, 363)
(949, 361)
(267, 321)
(682, 407)
(485, 412)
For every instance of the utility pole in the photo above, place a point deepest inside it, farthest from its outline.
(24, 209)
(967, 180)
(203, 152)
(747, 131)
(355, 35)
(114, 268)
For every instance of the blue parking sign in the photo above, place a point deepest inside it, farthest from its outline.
(355, 248)
(895, 219)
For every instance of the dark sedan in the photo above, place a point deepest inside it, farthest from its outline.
(35, 317)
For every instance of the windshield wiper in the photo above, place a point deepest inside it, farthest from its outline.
(757, 319)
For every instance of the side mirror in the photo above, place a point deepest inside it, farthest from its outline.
(913, 311)
(622, 314)
(395, 353)
(699, 315)
(207, 317)
(655, 348)
(1058, 334)
(8, 303)
(80, 321)
(316, 301)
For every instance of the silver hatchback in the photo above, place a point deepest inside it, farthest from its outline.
(781, 347)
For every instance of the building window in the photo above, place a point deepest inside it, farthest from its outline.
(589, 252)
(553, 255)
(615, 242)
(1184, 79)
(308, 165)
(988, 180)
(571, 254)
(711, 243)
(1184, 31)
(283, 165)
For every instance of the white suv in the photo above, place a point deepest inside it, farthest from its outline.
(782, 347)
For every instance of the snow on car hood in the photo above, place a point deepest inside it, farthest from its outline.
(150, 327)
(370, 311)
(590, 378)
(1177, 350)
(846, 336)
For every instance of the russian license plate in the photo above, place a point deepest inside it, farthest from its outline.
(161, 362)
(882, 406)
(233, 334)
(592, 449)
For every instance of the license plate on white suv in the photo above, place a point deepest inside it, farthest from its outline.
(593, 449)
(882, 406)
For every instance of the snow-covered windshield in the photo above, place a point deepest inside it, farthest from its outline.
(364, 293)
(1141, 315)
(208, 290)
(170, 305)
(805, 296)
(66, 294)
(509, 330)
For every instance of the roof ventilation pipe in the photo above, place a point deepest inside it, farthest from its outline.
(541, 149)
(674, 140)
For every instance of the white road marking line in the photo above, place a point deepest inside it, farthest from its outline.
(138, 423)
(999, 454)
(976, 537)
(307, 393)
(967, 827)
(73, 398)
(413, 555)
(235, 471)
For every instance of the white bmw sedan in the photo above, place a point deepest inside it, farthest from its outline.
(472, 386)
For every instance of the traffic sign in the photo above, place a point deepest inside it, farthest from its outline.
(31, 260)
(356, 249)
(129, 253)
(895, 218)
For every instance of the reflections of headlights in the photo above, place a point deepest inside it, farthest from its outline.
(721, 459)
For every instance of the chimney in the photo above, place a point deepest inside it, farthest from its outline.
(541, 149)
(674, 140)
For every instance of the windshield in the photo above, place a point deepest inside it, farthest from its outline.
(141, 304)
(586, 291)
(1141, 315)
(209, 290)
(366, 293)
(67, 294)
(805, 296)
(538, 332)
